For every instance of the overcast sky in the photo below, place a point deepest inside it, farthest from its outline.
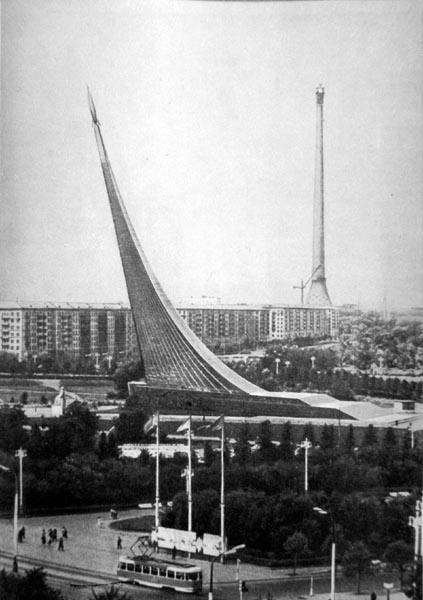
(208, 112)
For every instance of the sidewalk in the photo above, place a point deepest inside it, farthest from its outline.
(95, 547)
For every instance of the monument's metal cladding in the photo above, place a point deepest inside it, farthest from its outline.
(173, 356)
(318, 294)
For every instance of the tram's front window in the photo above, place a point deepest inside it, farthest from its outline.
(192, 576)
(130, 566)
(122, 566)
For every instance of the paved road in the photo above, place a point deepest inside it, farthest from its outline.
(92, 546)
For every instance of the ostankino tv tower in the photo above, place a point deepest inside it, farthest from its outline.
(318, 294)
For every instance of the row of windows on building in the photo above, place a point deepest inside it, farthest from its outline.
(109, 331)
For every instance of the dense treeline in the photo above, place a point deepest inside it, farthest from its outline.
(266, 504)
(68, 464)
(367, 338)
(294, 373)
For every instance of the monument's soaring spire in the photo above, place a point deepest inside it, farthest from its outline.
(318, 293)
(173, 356)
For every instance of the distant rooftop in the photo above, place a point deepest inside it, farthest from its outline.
(6, 305)
(192, 303)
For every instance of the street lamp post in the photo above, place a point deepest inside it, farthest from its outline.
(277, 361)
(214, 559)
(15, 517)
(322, 512)
(306, 444)
(21, 453)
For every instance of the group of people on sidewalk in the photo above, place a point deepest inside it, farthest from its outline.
(52, 536)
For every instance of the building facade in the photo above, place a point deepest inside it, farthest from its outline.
(77, 330)
(98, 331)
(259, 323)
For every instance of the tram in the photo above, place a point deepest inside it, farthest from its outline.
(160, 573)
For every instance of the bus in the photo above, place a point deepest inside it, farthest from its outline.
(160, 573)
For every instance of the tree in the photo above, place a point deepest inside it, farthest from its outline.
(111, 593)
(286, 444)
(357, 561)
(12, 434)
(341, 390)
(399, 553)
(31, 586)
(296, 545)
(309, 432)
(130, 426)
(112, 446)
(242, 446)
(370, 436)
(130, 372)
(266, 451)
(327, 437)
(102, 446)
(350, 440)
(81, 423)
(205, 503)
(208, 453)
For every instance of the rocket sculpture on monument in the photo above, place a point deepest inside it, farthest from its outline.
(318, 294)
(173, 356)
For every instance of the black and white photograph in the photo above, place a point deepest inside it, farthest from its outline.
(211, 299)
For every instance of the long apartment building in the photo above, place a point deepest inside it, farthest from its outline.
(95, 331)
(78, 330)
(259, 323)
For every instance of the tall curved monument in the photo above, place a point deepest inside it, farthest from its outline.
(318, 294)
(180, 372)
(172, 355)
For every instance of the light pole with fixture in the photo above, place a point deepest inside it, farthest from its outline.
(21, 453)
(233, 550)
(322, 512)
(306, 445)
(15, 518)
(277, 361)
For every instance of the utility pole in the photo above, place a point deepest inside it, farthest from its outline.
(21, 453)
(306, 444)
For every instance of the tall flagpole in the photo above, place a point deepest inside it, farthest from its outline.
(222, 489)
(189, 479)
(156, 519)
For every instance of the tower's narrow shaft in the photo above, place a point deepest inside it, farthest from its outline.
(318, 294)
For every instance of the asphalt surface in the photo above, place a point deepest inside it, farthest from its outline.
(92, 545)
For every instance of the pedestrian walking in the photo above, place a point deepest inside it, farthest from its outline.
(64, 532)
(23, 533)
(54, 534)
(43, 537)
(173, 552)
(50, 536)
(373, 596)
(119, 543)
(61, 545)
(15, 564)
